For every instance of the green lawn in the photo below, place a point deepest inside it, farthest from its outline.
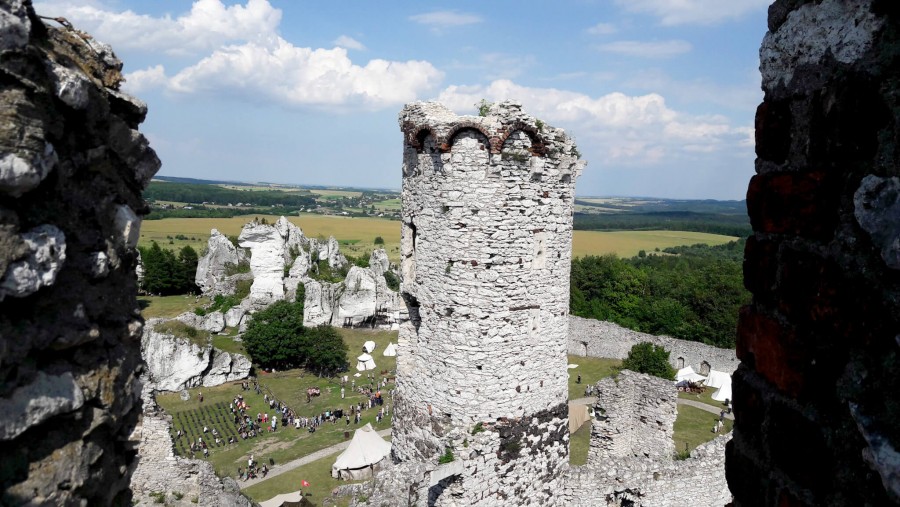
(287, 443)
(169, 306)
(317, 473)
(226, 343)
(591, 370)
(706, 397)
(579, 444)
(694, 427)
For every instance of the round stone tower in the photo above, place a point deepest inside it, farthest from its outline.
(486, 250)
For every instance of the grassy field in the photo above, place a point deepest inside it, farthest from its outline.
(388, 204)
(591, 370)
(706, 397)
(362, 230)
(357, 235)
(169, 306)
(694, 427)
(327, 192)
(317, 473)
(629, 243)
(290, 386)
(580, 444)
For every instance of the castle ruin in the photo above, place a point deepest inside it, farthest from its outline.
(486, 252)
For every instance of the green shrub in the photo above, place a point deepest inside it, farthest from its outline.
(179, 329)
(479, 427)
(379, 240)
(447, 457)
(240, 267)
(392, 280)
(648, 358)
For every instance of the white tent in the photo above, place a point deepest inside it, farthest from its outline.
(717, 379)
(724, 392)
(365, 362)
(369, 346)
(390, 350)
(283, 499)
(689, 375)
(358, 461)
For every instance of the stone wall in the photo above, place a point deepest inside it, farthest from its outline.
(635, 416)
(698, 481)
(817, 416)
(485, 257)
(180, 481)
(597, 338)
(72, 169)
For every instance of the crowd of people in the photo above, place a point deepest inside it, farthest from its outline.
(278, 414)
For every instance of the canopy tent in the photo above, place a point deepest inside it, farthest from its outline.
(578, 415)
(717, 379)
(689, 375)
(573, 366)
(724, 392)
(284, 500)
(365, 362)
(390, 350)
(358, 461)
(369, 346)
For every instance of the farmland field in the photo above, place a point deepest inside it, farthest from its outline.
(364, 231)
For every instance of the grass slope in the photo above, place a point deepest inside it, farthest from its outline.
(290, 386)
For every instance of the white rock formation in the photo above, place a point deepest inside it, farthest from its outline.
(378, 261)
(176, 363)
(211, 267)
(266, 262)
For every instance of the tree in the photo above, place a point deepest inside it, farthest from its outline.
(647, 358)
(379, 240)
(275, 337)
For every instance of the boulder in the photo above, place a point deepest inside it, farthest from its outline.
(175, 363)
(357, 302)
(266, 262)
(234, 315)
(319, 302)
(45, 254)
(378, 261)
(211, 269)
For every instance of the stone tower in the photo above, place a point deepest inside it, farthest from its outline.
(486, 252)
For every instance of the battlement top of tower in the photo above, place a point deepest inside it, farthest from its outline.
(420, 119)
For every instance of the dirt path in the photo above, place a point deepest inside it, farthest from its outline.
(703, 406)
(309, 458)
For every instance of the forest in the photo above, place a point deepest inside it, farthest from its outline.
(193, 193)
(692, 292)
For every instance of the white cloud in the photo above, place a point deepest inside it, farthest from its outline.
(602, 29)
(345, 41)
(704, 12)
(646, 49)
(208, 25)
(444, 19)
(622, 129)
(142, 80)
(300, 77)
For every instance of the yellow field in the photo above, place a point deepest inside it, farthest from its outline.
(363, 230)
(358, 234)
(629, 243)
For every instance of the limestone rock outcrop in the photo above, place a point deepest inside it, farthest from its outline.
(212, 267)
(281, 257)
(175, 363)
(72, 169)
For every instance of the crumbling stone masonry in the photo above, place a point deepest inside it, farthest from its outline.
(635, 417)
(72, 169)
(817, 414)
(598, 338)
(486, 251)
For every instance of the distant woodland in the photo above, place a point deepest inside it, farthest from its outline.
(692, 292)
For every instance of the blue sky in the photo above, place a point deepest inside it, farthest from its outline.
(659, 94)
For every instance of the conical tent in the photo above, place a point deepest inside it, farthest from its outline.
(366, 450)
(689, 375)
(717, 379)
(369, 346)
(390, 350)
(724, 392)
(365, 362)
